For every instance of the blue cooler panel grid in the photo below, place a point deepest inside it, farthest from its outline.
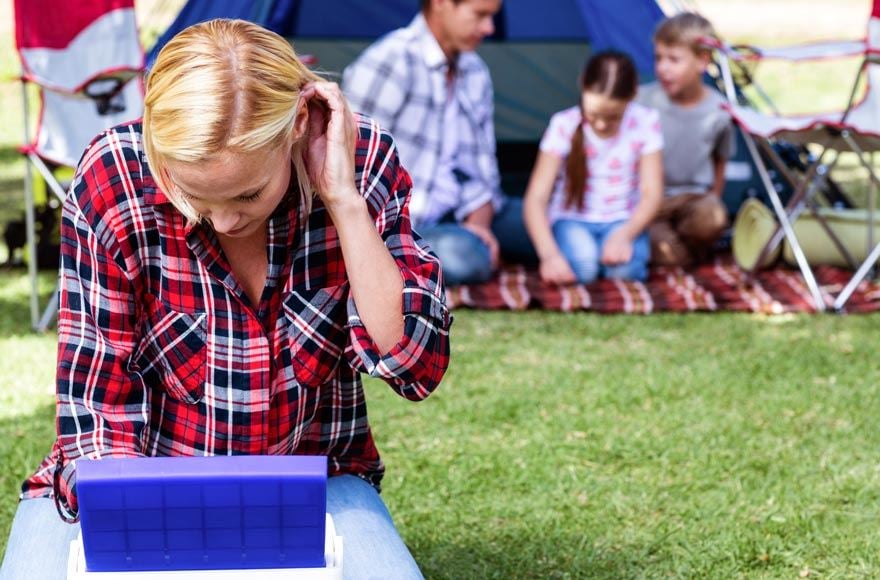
(203, 513)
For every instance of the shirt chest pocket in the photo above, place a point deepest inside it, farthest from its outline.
(172, 355)
(316, 333)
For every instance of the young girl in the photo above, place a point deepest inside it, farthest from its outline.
(598, 180)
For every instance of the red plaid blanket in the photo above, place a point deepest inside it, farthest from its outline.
(721, 285)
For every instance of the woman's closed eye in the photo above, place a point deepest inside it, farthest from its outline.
(250, 197)
(187, 196)
(246, 198)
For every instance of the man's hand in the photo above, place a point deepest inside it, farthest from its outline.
(488, 238)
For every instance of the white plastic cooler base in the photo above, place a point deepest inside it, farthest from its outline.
(76, 567)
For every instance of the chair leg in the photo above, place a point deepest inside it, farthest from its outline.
(30, 224)
(857, 278)
(782, 216)
(39, 322)
(800, 201)
(48, 176)
(49, 313)
(869, 262)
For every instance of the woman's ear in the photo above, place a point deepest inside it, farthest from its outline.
(301, 123)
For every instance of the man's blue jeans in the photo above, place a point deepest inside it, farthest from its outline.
(40, 541)
(464, 256)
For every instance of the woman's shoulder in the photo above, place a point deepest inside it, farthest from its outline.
(368, 128)
(377, 164)
(111, 176)
(372, 141)
(117, 149)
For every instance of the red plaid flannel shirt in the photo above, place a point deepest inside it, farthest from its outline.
(161, 353)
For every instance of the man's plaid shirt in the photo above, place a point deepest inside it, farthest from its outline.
(161, 353)
(401, 82)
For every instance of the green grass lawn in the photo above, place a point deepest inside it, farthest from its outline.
(572, 446)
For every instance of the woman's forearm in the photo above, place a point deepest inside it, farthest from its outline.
(376, 283)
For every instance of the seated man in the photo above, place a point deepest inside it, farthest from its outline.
(427, 86)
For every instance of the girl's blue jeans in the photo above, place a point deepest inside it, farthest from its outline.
(581, 243)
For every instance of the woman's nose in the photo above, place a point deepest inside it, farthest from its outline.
(224, 221)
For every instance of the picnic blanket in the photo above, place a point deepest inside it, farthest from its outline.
(717, 286)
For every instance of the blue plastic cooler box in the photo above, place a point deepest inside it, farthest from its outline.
(203, 513)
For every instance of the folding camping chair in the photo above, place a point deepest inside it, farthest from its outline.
(855, 129)
(86, 61)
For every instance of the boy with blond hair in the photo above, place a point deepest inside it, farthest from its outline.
(697, 133)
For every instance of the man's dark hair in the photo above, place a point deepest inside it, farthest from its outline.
(426, 5)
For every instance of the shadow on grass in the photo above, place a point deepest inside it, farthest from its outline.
(12, 170)
(24, 440)
(15, 317)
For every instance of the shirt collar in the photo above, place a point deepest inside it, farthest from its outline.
(153, 195)
(433, 55)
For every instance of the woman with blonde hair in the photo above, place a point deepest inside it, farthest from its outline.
(230, 266)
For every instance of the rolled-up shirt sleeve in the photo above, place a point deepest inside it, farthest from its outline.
(474, 196)
(415, 365)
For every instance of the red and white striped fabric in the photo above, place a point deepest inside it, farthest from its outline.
(719, 286)
(83, 54)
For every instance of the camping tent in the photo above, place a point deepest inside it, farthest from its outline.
(535, 54)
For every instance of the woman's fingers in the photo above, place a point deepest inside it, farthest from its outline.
(328, 92)
(337, 118)
(331, 140)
